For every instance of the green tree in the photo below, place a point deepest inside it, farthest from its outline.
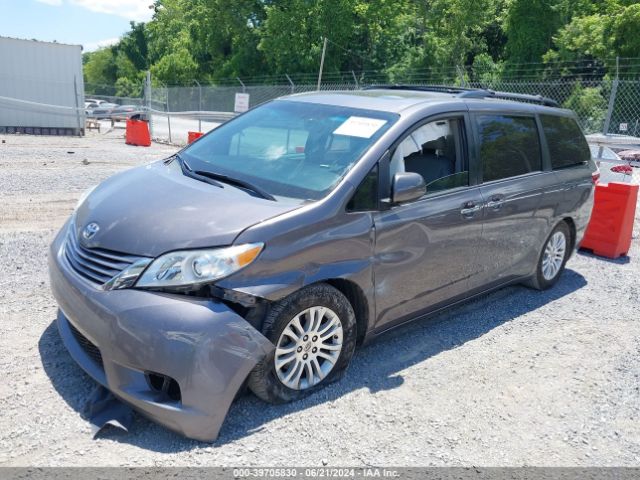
(589, 104)
(599, 36)
(100, 71)
(529, 26)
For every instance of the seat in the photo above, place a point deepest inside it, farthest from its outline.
(430, 162)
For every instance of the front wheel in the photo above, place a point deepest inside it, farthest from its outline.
(314, 332)
(553, 258)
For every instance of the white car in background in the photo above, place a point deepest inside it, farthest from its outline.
(612, 167)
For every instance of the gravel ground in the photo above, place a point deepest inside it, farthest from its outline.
(516, 378)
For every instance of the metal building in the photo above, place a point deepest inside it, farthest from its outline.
(41, 88)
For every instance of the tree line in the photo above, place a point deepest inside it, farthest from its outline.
(213, 41)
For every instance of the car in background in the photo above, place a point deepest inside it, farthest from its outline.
(123, 112)
(89, 107)
(94, 100)
(631, 156)
(104, 111)
(612, 167)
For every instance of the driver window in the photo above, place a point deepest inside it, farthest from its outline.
(434, 150)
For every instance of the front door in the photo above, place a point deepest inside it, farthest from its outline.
(425, 251)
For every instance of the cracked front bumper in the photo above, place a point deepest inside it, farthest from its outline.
(119, 336)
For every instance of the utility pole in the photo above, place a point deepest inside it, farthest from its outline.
(147, 100)
(293, 85)
(199, 104)
(75, 89)
(324, 50)
(244, 87)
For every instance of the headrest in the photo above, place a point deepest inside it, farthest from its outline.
(437, 144)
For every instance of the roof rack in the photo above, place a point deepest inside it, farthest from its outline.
(479, 93)
(421, 88)
(518, 97)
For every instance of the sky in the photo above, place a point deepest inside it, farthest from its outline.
(90, 23)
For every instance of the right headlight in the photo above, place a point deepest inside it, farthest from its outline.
(193, 267)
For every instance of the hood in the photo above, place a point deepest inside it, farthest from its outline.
(154, 209)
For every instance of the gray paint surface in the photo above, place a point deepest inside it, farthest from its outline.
(43, 73)
(207, 348)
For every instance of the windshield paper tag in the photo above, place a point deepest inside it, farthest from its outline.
(359, 127)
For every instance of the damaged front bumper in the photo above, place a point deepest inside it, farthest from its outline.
(178, 360)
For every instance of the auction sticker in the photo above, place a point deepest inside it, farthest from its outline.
(359, 127)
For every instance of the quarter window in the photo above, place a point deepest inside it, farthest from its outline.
(366, 196)
(567, 145)
(509, 146)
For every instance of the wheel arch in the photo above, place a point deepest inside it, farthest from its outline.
(358, 301)
(572, 231)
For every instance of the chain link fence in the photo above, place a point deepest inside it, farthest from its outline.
(603, 105)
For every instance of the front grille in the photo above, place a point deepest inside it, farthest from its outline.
(95, 264)
(88, 347)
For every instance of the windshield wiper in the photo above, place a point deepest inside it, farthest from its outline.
(186, 169)
(235, 182)
(211, 177)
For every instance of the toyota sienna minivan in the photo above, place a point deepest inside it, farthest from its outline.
(263, 253)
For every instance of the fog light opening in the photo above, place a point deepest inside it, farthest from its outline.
(164, 385)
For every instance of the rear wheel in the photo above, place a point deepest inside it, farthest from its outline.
(314, 332)
(553, 258)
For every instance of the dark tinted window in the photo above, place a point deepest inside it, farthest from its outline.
(509, 146)
(567, 145)
(366, 196)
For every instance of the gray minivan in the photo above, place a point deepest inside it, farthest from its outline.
(263, 253)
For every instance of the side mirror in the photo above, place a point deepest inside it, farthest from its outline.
(407, 186)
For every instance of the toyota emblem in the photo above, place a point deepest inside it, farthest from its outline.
(90, 231)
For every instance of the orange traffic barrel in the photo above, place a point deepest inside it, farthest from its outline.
(193, 136)
(611, 226)
(138, 133)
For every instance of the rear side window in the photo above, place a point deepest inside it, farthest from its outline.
(509, 146)
(567, 145)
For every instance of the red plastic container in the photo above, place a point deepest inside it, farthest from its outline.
(611, 226)
(193, 136)
(138, 133)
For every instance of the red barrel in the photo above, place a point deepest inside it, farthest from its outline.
(611, 226)
(193, 136)
(138, 133)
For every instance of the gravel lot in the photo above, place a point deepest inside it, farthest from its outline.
(516, 378)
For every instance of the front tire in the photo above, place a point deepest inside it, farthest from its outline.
(552, 259)
(314, 331)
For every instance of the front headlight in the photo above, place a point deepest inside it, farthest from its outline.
(193, 267)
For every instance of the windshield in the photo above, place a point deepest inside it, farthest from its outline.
(290, 149)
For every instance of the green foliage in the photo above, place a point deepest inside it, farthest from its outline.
(612, 31)
(177, 67)
(590, 105)
(625, 31)
(218, 40)
(100, 71)
(529, 26)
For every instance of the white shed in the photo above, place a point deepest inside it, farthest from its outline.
(41, 88)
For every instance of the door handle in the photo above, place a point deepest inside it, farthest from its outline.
(495, 203)
(469, 209)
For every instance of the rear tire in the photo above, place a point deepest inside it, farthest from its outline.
(314, 331)
(552, 259)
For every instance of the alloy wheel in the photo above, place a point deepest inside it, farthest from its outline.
(554, 254)
(308, 348)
